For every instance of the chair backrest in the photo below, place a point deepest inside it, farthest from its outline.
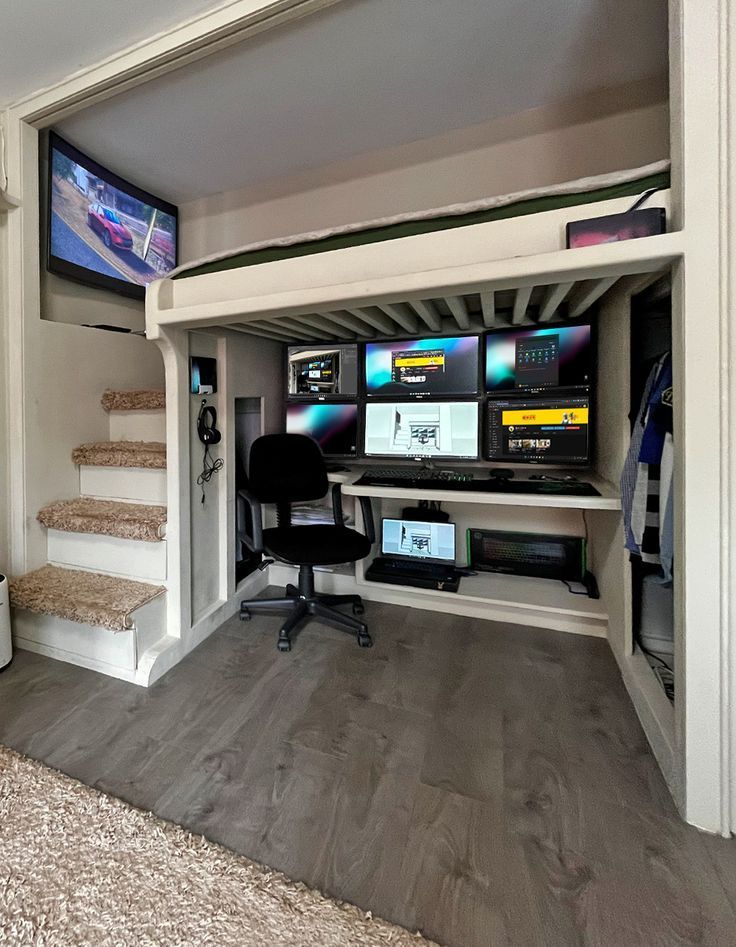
(287, 468)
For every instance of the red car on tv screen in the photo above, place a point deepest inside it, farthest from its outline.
(104, 221)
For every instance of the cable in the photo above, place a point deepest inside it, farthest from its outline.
(571, 590)
(209, 468)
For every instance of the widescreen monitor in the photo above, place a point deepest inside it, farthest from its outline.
(525, 360)
(539, 431)
(421, 429)
(318, 372)
(422, 367)
(333, 426)
(417, 539)
(102, 230)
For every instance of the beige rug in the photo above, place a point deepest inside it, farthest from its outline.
(81, 869)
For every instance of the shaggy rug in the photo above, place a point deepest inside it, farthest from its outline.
(105, 518)
(151, 454)
(81, 869)
(139, 400)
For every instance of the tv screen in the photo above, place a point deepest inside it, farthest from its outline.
(416, 429)
(519, 360)
(333, 426)
(103, 230)
(539, 431)
(422, 367)
(322, 371)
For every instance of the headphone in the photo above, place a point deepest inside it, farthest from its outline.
(207, 425)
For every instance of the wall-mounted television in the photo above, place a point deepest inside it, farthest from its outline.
(103, 230)
(433, 367)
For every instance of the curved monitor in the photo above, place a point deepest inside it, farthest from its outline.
(422, 367)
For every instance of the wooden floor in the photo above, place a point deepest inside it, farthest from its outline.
(487, 784)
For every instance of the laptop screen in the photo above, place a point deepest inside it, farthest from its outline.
(416, 539)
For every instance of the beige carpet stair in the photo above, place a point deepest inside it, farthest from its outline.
(106, 518)
(87, 597)
(144, 399)
(150, 454)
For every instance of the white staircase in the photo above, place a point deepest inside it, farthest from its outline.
(101, 601)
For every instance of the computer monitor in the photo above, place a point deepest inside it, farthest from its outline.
(422, 367)
(528, 360)
(539, 431)
(318, 372)
(421, 429)
(333, 426)
(417, 539)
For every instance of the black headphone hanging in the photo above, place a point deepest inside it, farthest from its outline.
(207, 424)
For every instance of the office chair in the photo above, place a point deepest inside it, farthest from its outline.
(288, 468)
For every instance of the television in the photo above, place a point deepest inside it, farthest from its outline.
(318, 372)
(101, 229)
(539, 430)
(333, 426)
(423, 367)
(421, 429)
(526, 360)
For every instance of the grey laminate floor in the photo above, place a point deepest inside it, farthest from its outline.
(487, 784)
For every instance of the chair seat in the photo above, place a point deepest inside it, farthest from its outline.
(317, 545)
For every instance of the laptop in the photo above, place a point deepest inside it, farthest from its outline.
(418, 553)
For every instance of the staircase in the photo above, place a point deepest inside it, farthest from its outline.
(101, 601)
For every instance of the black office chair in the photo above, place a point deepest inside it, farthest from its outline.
(288, 468)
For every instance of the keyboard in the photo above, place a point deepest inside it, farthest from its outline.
(425, 575)
(429, 480)
(417, 473)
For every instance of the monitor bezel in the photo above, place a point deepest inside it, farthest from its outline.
(405, 558)
(330, 403)
(73, 271)
(416, 458)
(430, 396)
(320, 398)
(540, 392)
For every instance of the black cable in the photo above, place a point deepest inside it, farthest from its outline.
(209, 468)
(571, 590)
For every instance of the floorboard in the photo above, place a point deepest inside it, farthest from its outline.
(486, 784)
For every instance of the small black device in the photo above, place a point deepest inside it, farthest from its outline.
(202, 375)
(501, 473)
(207, 425)
(634, 223)
(532, 554)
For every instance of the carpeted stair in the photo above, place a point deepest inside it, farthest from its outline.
(150, 454)
(145, 399)
(103, 601)
(106, 518)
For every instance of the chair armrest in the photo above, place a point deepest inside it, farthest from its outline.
(254, 539)
(365, 508)
(337, 513)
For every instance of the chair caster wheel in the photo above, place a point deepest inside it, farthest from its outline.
(284, 644)
(365, 641)
(358, 609)
(244, 614)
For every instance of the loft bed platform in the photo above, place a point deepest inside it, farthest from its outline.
(464, 278)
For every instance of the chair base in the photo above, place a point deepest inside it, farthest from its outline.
(304, 602)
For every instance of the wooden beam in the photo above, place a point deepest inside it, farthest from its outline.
(428, 314)
(584, 297)
(323, 325)
(376, 319)
(552, 299)
(521, 304)
(248, 330)
(401, 315)
(297, 327)
(488, 308)
(349, 321)
(459, 310)
(275, 328)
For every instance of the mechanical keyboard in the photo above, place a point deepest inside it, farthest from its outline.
(565, 488)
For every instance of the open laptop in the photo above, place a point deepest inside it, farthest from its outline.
(416, 552)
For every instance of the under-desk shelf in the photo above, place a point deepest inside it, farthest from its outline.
(609, 499)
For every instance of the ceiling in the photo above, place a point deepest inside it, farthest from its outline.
(361, 76)
(43, 41)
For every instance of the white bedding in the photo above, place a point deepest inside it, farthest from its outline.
(581, 185)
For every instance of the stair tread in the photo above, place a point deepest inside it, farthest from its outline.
(139, 399)
(150, 454)
(105, 517)
(88, 598)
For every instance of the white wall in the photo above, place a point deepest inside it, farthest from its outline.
(608, 131)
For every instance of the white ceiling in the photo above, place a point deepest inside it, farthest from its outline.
(43, 41)
(362, 76)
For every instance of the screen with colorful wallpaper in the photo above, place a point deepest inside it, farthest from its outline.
(524, 360)
(333, 426)
(422, 367)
